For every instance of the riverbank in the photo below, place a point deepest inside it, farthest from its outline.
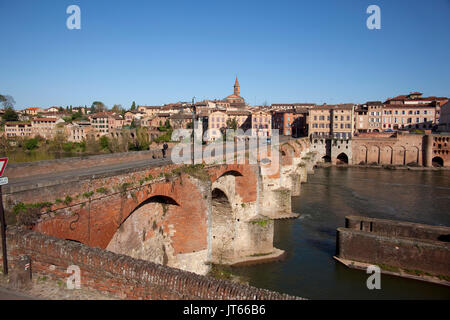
(384, 166)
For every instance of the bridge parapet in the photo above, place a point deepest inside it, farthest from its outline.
(122, 276)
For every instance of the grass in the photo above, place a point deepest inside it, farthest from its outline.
(88, 194)
(261, 223)
(102, 190)
(124, 186)
(68, 200)
(221, 273)
(260, 254)
(197, 171)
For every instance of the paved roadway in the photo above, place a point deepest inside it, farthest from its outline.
(87, 171)
(6, 294)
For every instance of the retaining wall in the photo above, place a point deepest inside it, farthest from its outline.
(387, 245)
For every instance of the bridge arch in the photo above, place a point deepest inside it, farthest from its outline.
(342, 158)
(222, 227)
(362, 154)
(399, 155)
(437, 162)
(144, 233)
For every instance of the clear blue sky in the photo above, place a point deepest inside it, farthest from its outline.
(157, 52)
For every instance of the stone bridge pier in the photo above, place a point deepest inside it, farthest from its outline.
(296, 162)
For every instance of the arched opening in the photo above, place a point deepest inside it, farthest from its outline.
(437, 162)
(326, 159)
(231, 173)
(143, 234)
(342, 159)
(222, 230)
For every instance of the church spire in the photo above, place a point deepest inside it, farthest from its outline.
(237, 88)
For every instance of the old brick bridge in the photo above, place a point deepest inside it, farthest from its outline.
(181, 216)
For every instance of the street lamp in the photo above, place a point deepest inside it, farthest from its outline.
(194, 114)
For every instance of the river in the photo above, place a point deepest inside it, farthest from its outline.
(330, 194)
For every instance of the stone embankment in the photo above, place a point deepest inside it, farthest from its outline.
(400, 248)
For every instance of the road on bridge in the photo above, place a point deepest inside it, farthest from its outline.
(35, 180)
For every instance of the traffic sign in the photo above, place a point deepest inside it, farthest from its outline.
(3, 162)
(3, 180)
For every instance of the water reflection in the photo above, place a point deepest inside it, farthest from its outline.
(332, 193)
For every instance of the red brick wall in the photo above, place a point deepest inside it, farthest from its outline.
(99, 219)
(120, 275)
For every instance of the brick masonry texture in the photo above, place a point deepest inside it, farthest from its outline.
(120, 275)
(400, 244)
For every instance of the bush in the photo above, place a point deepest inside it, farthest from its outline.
(31, 144)
(166, 137)
(104, 142)
(68, 146)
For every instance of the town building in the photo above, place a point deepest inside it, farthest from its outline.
(33, 111)
(101, 123)
(149, 110)
(241, 117)
(261, 123)
(45, 127)
(416, 98)
(217, 124)
(335, 121)
(78, 131)
(290, 122)
(18, 129)
(409, 116)
(444, 123)
(235, 100)
(180, 120)
(361, 123)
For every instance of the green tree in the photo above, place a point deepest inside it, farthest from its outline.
(97, 107)
(142, 140)
(91, 145)
(104, 142)
(5, 146)
(69, 146)
(117, 108)
(31, 144)
(7, 101)
(76, 115)
(133, 106)
(10, 114)
(232, 124)
(59, 139)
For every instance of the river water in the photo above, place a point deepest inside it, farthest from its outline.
(330, 194)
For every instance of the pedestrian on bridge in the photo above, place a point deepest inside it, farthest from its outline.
(164, 149)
